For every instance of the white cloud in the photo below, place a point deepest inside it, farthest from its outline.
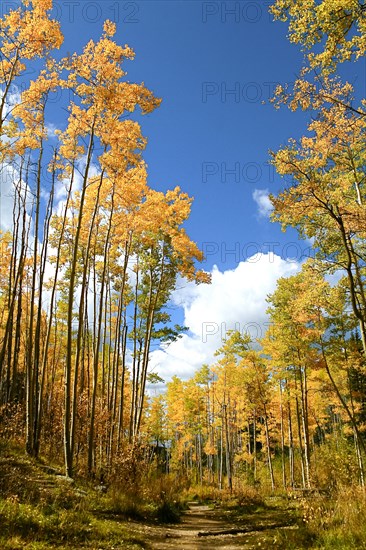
(6, 199)
(261, 197)
(236, 299)
(13, 98)
(11, 186)
(51, 128)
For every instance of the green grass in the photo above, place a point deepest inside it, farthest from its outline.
(39, 510)
(336, 523)
(39, 526)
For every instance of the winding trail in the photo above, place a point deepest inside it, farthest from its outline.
(205, 527)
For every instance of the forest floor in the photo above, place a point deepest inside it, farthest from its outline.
(207, 526)
(40, 509)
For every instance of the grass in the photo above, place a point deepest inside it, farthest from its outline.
(39, 510)
(336, 523)
(29, 527)
(339, 523)
(25, 525)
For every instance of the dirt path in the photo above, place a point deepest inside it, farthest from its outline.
(205, 527)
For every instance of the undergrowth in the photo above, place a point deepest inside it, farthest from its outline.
(40, 510)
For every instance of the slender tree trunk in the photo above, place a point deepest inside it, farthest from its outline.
(228, 450)
(268, 445)
(33, 345)
(82, 315)
(70, 311)
(255, 446)
(221, 455)
(304, 423)
(283, 459)
(98, 342)
(299, 431)
(40, 360)
(291, 440)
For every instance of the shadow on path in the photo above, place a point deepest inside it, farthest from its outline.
(205, 527)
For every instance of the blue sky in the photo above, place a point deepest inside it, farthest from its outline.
(213, 63)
